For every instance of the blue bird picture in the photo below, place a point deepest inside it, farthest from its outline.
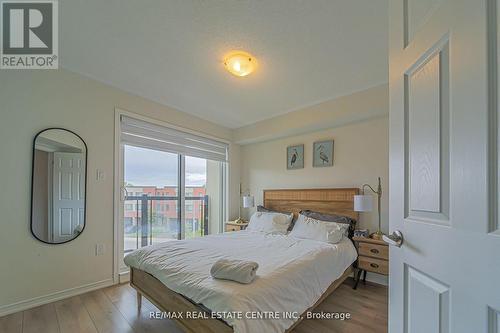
(295, 157)
(323, 153)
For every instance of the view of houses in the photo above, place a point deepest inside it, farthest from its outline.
(161, 206)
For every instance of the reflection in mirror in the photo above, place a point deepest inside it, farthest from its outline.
(58, 186)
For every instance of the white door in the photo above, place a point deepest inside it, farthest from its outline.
(443, 166)
(68, 193)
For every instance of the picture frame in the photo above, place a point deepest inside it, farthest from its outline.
(323, 153)
(295, 157)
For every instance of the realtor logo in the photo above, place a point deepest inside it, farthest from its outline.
(29, 35)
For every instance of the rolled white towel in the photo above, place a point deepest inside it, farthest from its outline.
(236, 270)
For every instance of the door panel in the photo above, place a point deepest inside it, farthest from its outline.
(441, 164)
(65, 185)
(494, 320)
(426, 112)
(68, 199)
(423, 129)
(65, 222)
(427, 303)
(417, 13)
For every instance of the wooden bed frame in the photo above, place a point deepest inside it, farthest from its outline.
(329, 201)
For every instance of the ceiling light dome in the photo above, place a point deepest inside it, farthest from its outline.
(240, 63)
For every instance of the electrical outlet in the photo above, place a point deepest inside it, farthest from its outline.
(100, 249)
(100, 175)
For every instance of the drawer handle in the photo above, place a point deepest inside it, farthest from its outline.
(374, 265)
(374, 251)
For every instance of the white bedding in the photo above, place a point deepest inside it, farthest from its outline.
(293, 273)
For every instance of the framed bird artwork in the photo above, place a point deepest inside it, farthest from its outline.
(295, 157)
(323, 153)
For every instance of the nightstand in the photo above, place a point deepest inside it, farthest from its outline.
(233, 226)
(373, 256)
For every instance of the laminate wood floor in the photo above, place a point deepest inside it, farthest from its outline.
(114, 310)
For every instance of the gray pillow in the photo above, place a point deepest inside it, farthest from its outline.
(263, 209)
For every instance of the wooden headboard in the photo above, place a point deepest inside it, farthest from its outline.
(338, 201)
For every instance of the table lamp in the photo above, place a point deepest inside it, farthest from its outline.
(364, 203)
(248, 202)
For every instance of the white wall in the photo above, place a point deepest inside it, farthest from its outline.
(31, 271)
(34, 100)
(360, 156)
(234, 181)
(362, 105)
(361, 151)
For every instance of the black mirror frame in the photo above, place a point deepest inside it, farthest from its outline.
(33, 177)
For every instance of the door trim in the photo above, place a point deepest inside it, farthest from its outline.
(492, 54)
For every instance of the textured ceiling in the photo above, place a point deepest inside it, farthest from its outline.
(171, 51)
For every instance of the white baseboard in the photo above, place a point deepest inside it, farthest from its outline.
(375, 278)
(49, 298)
(124, 277)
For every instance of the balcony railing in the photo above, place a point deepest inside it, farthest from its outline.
(149, 221)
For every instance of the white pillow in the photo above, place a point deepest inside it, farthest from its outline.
(309, 228)
(270, 222)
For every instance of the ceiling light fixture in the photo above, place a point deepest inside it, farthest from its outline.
(240, 63)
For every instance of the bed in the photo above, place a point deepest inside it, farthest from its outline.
(294, 275)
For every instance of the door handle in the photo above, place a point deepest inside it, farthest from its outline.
(396, 239)
(124, 193)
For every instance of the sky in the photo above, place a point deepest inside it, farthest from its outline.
(156, 168)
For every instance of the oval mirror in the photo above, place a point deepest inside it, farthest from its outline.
(58, 188)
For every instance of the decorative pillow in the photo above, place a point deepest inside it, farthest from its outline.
(267, 210)
(270, 222)
(350, 223)
(310, 228)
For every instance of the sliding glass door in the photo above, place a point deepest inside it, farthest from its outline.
(169, 196)
(151, 211)
(204, 196)
(173, 184)
(196, 214)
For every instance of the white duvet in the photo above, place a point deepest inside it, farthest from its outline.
(293, 274)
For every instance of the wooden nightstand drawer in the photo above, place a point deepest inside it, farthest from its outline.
(373, 250)
(373, 265)
(373, 257)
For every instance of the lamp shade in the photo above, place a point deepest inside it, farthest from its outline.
(248, 201)
(363, 203)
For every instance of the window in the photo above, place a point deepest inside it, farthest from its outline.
(169, 177)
